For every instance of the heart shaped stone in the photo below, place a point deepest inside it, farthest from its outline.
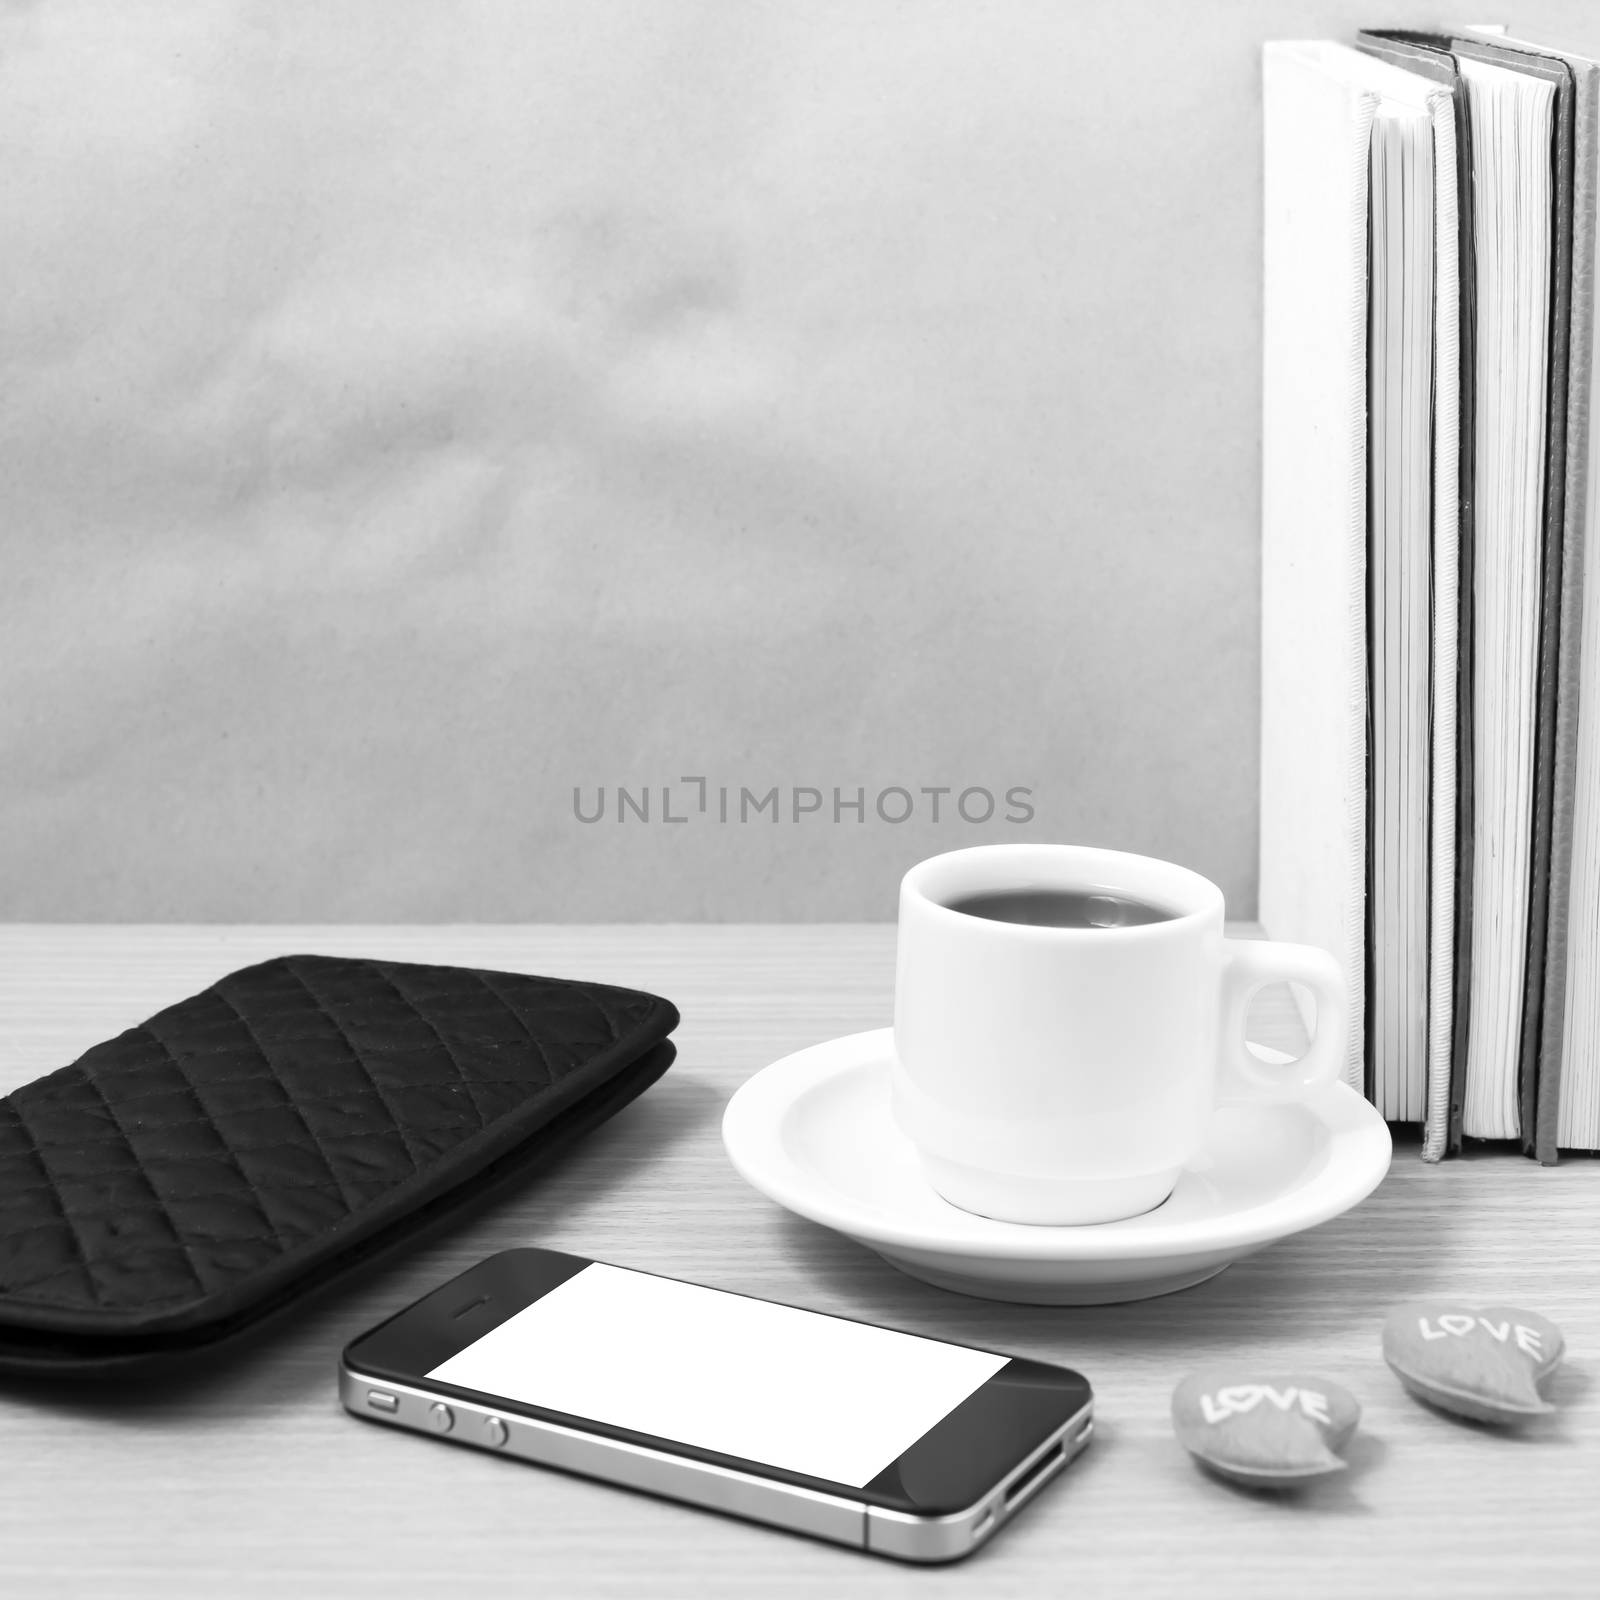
(1264, 1430)
(1487, 1363)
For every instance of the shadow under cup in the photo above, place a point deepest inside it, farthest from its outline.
(1057, 1065)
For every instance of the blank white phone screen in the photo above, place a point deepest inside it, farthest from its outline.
(773, 1384)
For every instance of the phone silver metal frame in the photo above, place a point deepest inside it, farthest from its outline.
(742, 1494)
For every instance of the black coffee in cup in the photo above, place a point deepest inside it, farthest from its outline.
(1061, 908)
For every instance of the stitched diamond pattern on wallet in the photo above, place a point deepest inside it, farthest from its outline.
(274, 1113)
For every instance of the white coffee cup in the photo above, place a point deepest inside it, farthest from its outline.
(1067, 1074)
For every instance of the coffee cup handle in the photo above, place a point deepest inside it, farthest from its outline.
(1251, 965)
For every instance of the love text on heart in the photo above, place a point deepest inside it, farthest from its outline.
(1457, 1325)
(1240, 1398)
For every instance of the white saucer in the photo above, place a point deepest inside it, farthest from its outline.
(815, 1133)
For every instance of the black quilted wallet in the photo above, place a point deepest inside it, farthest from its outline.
(218, 1163)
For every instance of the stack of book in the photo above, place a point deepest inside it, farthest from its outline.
(1430, 788)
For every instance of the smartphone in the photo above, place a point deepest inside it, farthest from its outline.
(886, 1441)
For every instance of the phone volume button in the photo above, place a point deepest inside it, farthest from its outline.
(495, 1431)
(441, 1416)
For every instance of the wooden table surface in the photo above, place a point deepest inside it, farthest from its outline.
(251, 1481)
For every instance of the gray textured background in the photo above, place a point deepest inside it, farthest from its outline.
(413, 412)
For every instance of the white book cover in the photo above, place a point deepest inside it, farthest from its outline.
(1320, 108)
(1317, 136)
